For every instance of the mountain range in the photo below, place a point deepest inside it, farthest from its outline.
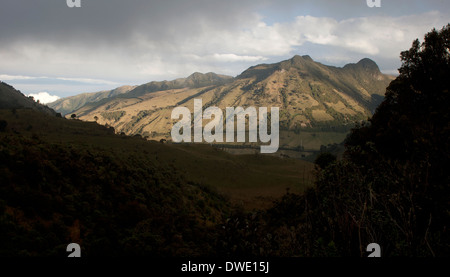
(311, 96)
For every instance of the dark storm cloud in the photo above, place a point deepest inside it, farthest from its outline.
(131, 42)
(115, 20)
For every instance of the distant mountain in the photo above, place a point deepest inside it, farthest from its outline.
(10, 98)
(69, 104)
(195, 80)
(362, 82)
(310, 95)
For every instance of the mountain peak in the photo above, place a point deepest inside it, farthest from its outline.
(198, 79)
(307, 57)
(297, 60)
(368, 64)
(196, 75)
(365, 64)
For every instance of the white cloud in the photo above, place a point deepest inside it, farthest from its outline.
(381, 35)
(44, 97)
(5, 77)
(90, 81)
(237, 58)
(226, 58)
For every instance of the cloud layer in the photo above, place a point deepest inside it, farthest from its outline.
(132, 42)
(44, 97)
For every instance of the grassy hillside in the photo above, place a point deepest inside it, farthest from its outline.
(312, 98)
(69, 104)
(68, 181)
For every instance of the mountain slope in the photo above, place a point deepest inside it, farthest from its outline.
(11, 98)
(195, 80)
(69, 104)
(310, 95)
(65, 181)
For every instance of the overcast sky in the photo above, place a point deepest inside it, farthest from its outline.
(45, 46)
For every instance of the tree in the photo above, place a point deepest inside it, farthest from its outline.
(3, 125)
(96, 118)
(414, 115)
(393, 184)
(73, 116)
(324, 160)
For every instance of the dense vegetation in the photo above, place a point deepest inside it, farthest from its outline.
(112, 201)
(65, 180)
